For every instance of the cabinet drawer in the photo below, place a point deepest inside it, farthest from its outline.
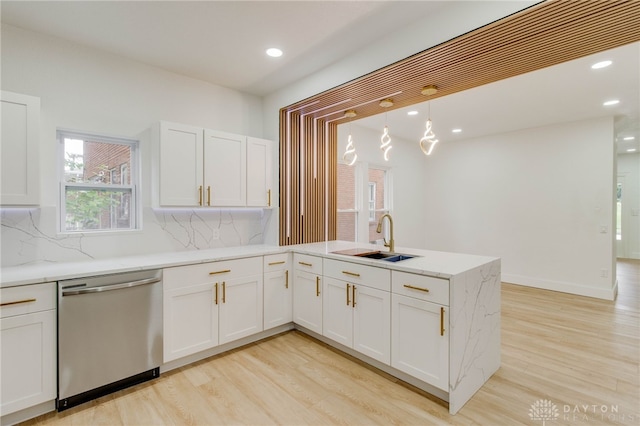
(276, 262)
(185, 276)
(358, 274)
(421, 287)
(27, 298)
(304, 262)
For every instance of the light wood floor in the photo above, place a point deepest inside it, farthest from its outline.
(582, 354)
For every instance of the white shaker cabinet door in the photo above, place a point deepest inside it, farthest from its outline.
(307, 300)
(278, 298)
(337, 312)
(19, 146)
(420, 340)
(259, 185)
(372, 323)
(181, 166)
(240, 308)
(190, 320)
(225, 169)
(28, 360)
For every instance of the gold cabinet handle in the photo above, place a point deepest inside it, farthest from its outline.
(286, 279)
(17, 302)
(216, 290)
(305, 264)
(348, 288)
(318, 286)
(224, 292)
(276, 263)
(200, 195)
(220, 272)
(269, 198)
(208, 195)
(353, 297)
(441, 321)
(353, 274)
(426, 290)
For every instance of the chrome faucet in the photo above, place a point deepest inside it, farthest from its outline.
(389, 243)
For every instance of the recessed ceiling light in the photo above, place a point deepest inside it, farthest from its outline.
(456, 130)
(602, 64)
(274, 52)
(628, 138)
(631, 150)
(414, 112)
(611, 102)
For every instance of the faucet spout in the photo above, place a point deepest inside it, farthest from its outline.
(389, 243)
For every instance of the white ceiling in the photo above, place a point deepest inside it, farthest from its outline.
(223, 42)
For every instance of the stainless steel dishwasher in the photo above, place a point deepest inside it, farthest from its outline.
(109, 334)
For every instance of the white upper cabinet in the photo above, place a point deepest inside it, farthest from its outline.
(197, 167)
(180, 158)
(19, 152)
(259, 172)
(225, 169)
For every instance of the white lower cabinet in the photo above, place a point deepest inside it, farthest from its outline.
(307, 292)
(358, 317)
(28, 354)
(210, 304)
(420, 340)
(278, 290)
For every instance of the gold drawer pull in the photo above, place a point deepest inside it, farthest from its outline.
(220, 272)
(354, 297)
(441, 321)
(305, 264)
(286, 279)
(200, 195)
(216, 290)
(208, 195)
(224, 292)
(348, 288)
(353, 274)
(17, 302)
(426, 290)
(269, 198)
(318, 286)
(276, 263)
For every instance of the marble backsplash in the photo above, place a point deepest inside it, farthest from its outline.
(31, 236)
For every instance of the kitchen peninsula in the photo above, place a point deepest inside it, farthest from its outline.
(432, 320)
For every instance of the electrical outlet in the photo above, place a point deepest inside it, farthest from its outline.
(604, 273)
(603, 229)
(215, 234)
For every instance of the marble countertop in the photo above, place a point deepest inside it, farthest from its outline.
(49, 272)
(427, 262)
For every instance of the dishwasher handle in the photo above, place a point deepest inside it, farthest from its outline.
(76, 291)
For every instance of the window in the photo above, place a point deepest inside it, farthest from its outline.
(363, 197)
(98, 188)
(347, 214)
(372, 201)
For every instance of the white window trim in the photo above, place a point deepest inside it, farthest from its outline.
(134, 173)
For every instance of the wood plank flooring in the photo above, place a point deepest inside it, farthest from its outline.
(582, 354)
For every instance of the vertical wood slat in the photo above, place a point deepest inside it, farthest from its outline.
(546, 34)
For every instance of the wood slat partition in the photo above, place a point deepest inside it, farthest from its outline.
(546, 34)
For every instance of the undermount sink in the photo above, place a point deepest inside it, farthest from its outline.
(389, 257)
(380, 255)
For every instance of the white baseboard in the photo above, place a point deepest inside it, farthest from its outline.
(564, 287)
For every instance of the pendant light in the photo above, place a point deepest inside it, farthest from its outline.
(385, 139)
(428, 141)
(350, 155)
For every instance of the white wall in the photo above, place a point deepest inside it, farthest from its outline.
(629, 172)
(535, 198)
(405, 165)
(92, 91)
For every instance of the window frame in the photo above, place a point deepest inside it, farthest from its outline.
(119, 190)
